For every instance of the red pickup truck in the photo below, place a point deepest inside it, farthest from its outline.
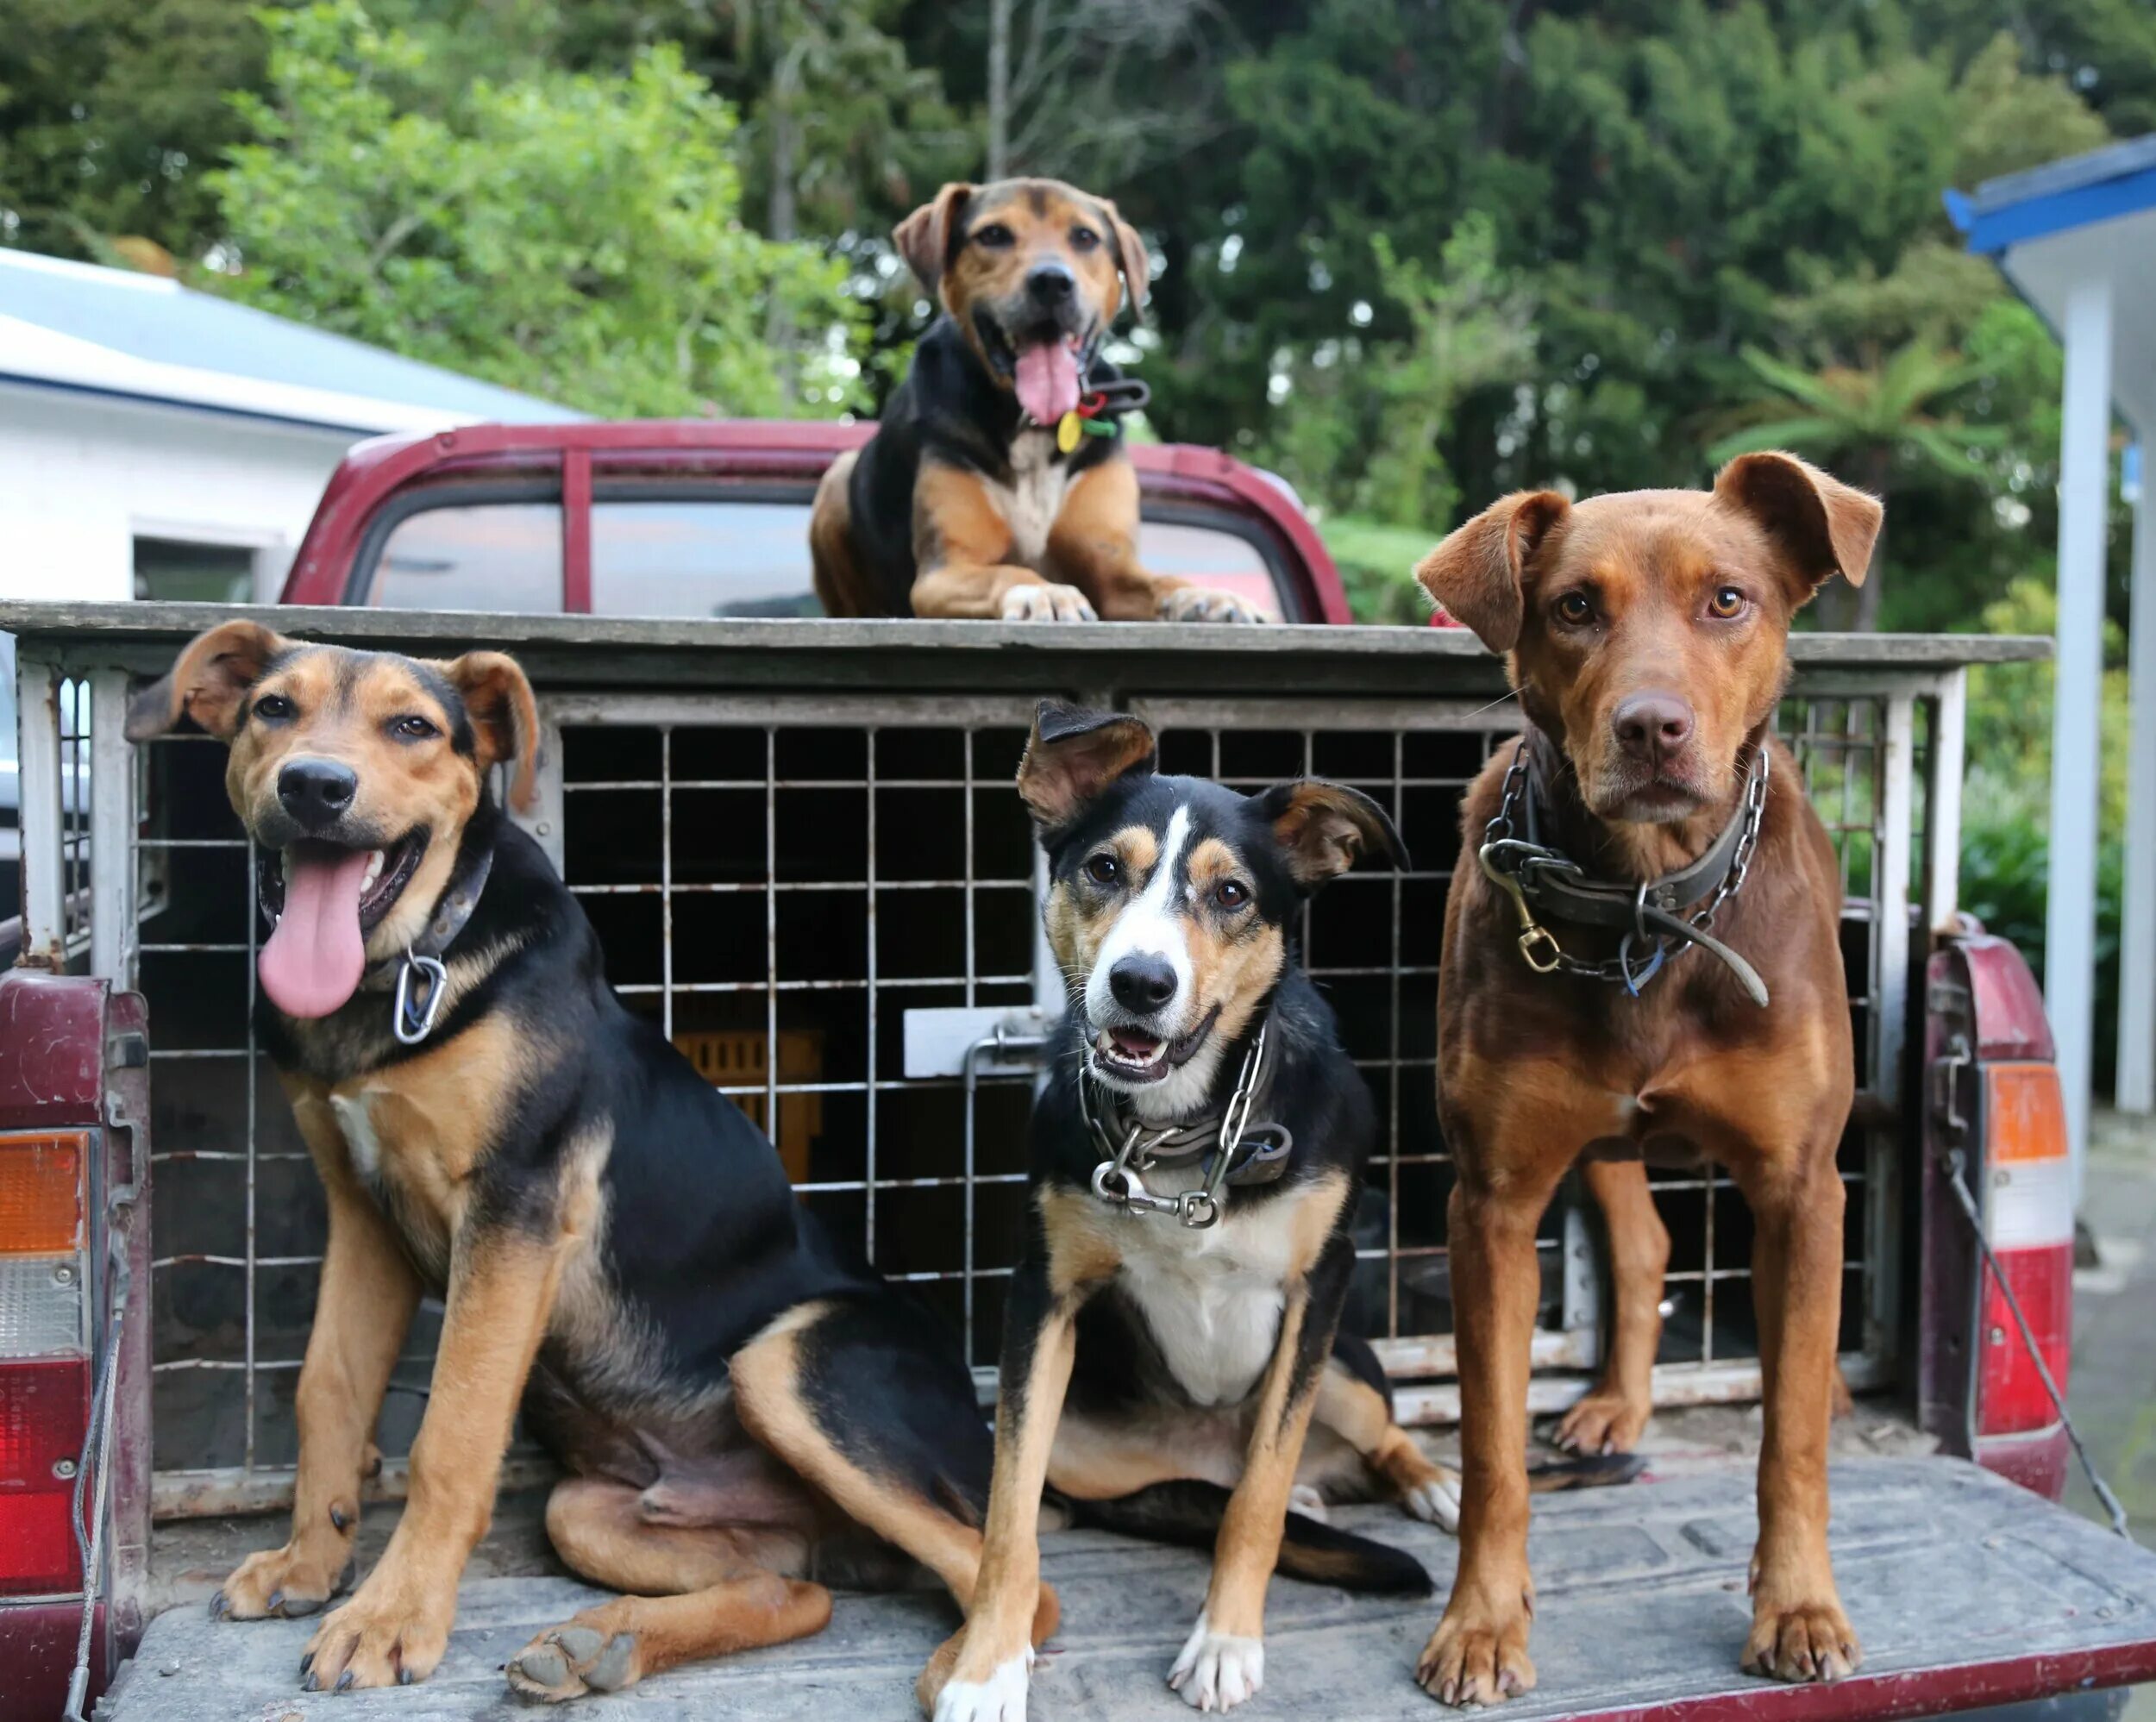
(709, 518)
(712, 748)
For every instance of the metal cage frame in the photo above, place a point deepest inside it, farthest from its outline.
(1898, 704)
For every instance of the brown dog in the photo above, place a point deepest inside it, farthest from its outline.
(996, 486)
(1647, 634)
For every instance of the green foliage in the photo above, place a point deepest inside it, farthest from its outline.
(111, 111)
(1376, 562)
(2006, 807)
(575, 234)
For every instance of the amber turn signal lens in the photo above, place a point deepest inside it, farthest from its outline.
(40, 1193)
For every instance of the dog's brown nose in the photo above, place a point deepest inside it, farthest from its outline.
(1652, 726)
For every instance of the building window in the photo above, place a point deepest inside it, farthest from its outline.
(177, 572)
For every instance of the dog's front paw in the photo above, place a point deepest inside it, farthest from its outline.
(1047, 604)
(1805, 1641)
(1606, 1421)
(996, 1694)
(1436, 1499)
(391, 1633)
(1478, 1654)
(1218, 1671)
(1203, 604)
(285, 1583)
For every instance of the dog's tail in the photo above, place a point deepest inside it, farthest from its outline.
(1593, 1471)
(1188, 1515)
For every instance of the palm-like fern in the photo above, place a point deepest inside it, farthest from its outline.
(1873, 424)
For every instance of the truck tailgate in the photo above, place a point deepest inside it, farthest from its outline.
(1966, 1591)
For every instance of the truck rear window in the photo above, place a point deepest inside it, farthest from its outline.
(495, 555)
(703, 556)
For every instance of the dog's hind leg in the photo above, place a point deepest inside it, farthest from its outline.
(1616, 1409)
(706, 1591)
(850, 1395)
(1357, 1412)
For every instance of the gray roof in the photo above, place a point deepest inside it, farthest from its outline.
(149, 318)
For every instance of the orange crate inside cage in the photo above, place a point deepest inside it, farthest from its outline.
(737, 1058)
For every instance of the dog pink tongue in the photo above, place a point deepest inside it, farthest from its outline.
(313, 961)
(1048, 381)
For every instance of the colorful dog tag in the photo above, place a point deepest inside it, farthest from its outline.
(1068, 429)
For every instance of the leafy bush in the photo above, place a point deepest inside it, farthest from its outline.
(578, 235)
(2006, 802)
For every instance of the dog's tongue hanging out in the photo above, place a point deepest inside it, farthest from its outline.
(1047, 381)
(313, 961)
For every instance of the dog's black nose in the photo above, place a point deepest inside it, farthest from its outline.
(1652, 726)
(1141, 983)
(316, 792)
(1051, 284)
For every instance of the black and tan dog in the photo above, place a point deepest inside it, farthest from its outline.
(1171, 1334)
(746, 1411)
(996, 486)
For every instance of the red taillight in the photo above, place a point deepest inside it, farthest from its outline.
(2027, 1201)
(44, 1359)
(44, 1415)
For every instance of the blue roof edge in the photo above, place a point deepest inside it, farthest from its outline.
(2079, 192)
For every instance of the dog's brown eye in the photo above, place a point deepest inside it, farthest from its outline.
(1104, 869)
(1726, 601)
(1231, 894)
(273, 708)
(1083, 239)
(412, 730)
(994, 235)
(1573, 607)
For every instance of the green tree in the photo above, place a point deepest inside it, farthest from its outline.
(576, 234)
(111, 113)
(1870, 423)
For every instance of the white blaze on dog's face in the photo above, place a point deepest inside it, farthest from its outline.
(1170, 897)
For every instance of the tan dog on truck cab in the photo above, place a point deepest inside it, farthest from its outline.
(997, 486)
(1647, 634)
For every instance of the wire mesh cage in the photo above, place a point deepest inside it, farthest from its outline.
(779, 880)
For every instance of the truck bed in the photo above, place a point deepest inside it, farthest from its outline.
(1967, 1592)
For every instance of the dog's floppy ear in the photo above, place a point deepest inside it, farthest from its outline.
(1475, 573)
(505, 718)
(1822, 526)
(207, 682)
(924, 237)
(1324, 828)
(1074, 754)
(1131, 253)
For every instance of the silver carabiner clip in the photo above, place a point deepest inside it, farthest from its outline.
(413, 1024)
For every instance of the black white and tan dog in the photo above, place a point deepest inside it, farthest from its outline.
(745, 1410)
(996, 486)
(1172, 1333)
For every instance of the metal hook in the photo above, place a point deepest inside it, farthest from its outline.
(412, 1025)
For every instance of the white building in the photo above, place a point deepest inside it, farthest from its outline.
(158, 441)
(2077, 240)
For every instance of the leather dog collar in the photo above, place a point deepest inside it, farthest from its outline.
(1541, 879)
(1237, 1150)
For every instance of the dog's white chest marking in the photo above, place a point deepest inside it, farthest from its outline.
(1214, 1298)
(1030, 502)
(356, 1121)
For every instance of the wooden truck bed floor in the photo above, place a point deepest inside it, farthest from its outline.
(1967, 1592)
